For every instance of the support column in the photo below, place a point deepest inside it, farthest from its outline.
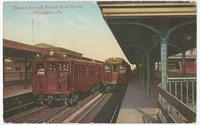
(140, 73)
(26, 73)
(137, 75)
(152, 72)
(142, 77)
(163, 72)
(148, 76)
(145, 73)
(183, 63)
(164, 63)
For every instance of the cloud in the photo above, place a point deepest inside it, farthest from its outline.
(80, 18)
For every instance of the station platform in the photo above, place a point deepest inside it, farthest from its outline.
(136, 106)
(16, 89)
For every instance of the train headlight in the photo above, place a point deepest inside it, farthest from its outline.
(51, 53)
(65, 56)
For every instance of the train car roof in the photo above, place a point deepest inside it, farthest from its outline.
(115, 60)
(69, 59)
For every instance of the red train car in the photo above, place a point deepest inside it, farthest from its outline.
(116, 72)
(175, 66)
(58, 78)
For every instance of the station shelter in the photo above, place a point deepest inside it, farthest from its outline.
(148, 32)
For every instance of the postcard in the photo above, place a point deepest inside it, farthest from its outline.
(99, 61)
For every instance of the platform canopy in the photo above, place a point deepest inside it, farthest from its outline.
(139, 27)
(13, 49)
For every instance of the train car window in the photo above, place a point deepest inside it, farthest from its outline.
(63, 69)
(40, 69)
(173, 66)
(122, 69)
(107, 68)
(52, 69)
(114, 68)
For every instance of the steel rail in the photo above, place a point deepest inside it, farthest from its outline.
(15, 108)
(90, 109)
(28, 113)
(46, 117)
(114, 113)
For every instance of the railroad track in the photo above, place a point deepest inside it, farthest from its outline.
(45, 118)
(37, 115)
(114, 113)
(110, 110)
(97, 101)
(17, 104)
(46, 114)
(92, 111)
(68, 115)
(20, 116)
(84, 112)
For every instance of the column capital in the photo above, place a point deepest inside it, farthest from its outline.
(164, 38)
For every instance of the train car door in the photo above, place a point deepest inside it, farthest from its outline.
(107, 73)
(115, 68)
(39, 77)
(123, 73)
(63, 76)
(52, 76)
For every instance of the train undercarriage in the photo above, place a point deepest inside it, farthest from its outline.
(70, 99)
(64, 99)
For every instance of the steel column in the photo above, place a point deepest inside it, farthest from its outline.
(26, 73)
(164, 63)
(143, 74)
(152, 71)
(164, 68)
(148, 76)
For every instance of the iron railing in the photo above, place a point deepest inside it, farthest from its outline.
(178, 102)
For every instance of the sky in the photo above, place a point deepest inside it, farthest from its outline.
(77, 26)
